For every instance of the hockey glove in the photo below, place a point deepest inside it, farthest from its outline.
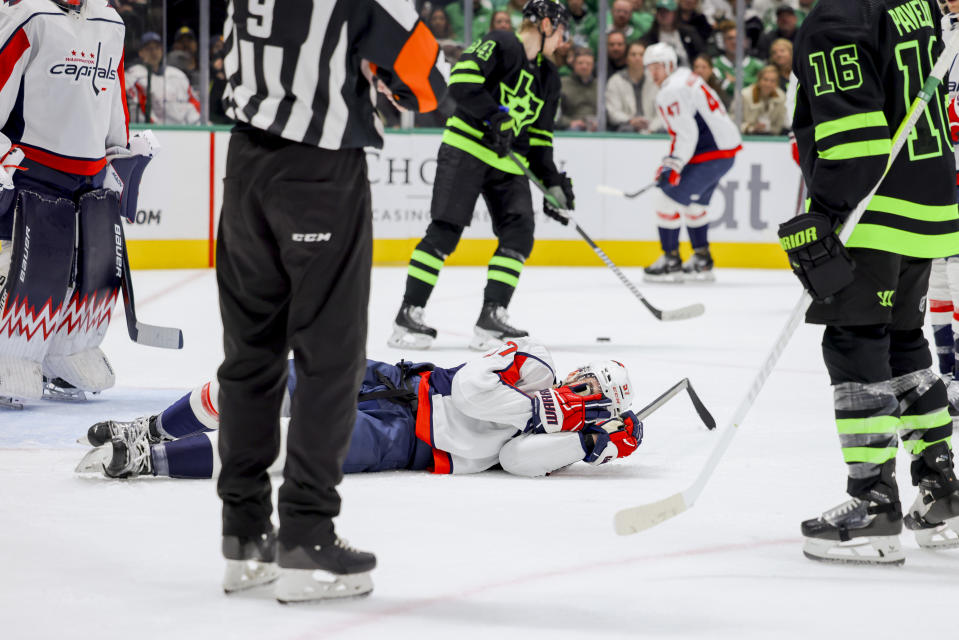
(817, 257)
(500, 134)
(9, 164)
(616, 438)
(562, 193)
(562, 409)
(667, 175)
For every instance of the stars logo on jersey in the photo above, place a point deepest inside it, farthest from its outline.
(79, 65)
(523, 105)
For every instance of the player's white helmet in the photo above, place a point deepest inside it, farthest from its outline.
(607, 377)
(72, 5)
(661, 52)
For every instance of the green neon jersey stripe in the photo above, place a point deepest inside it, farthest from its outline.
(915, 447)
(536, 142)
(928, 421)
(458, 78)
(425, 276)
(475, 149)
(848, 123)
(879, 424)
(466, 65)
(852, 150)
(509, 263)
(459, 123)
(541, 132)
(427, 259)
(868, 454)
(928, 212)
(503, 277)
(904, 243)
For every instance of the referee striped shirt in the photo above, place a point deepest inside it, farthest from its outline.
(300, 69)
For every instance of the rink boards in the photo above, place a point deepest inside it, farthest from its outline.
(181, 195)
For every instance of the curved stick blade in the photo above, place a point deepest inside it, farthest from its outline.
(684, 313)
(610, 191)
(647, 516)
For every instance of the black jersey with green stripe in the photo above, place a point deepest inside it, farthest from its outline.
(860, 64)
(494, 72)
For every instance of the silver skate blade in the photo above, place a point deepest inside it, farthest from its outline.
(671, 278)
(10, 403)
(241, 575)
(304, 585)
(403, 339)
(95, 459)
(879, 550)
(944, 536)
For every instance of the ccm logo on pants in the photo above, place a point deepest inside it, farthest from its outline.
(311, 237)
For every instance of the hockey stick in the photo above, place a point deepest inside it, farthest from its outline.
(146, 334)
(704, 414)
(613, 191)
(690, 311)
(635, 519)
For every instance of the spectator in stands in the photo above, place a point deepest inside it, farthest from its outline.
(439, 24)
(515, 9)
(621, 17)
(630, 97)
(159, 93)
(767, 10)
(185, 40)
(577, 99)
(718, 10)
(689, 15)
(786, 27)
(703, 67)
(781, 57)
(764, 104)
(217, 81)
(500, 21)
(615, 52)
(724, 64)
(683, 39)
(482, 15)
(583, 24)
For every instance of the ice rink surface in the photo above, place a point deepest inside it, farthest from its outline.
(488, 555)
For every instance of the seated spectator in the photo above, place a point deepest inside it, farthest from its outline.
(615, 52)
(159, 93)
(781, 57)
(499, 21)
(767, 10)
(482, 14)
(683, 39)
(583, 24)
(786, 27)
(703, 67)
(623, 18)
(577, 98)
(689, 15)
(764, 104)
(185, 40)
(439, 24)
(630, 97)
(724, 64)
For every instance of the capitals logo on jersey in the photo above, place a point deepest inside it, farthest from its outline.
(80, 65)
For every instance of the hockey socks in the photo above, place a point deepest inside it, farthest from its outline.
(183, 417)
(502, 276)
(669, 239)
(698, 237)
(423, 272)
(190, 457)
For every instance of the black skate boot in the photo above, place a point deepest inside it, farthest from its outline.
(493, 327)
(131, 455)
(60, 389)
(934, 516)
(409, 331)
(668, 268)
(699, 267)
(250, 562)
(863, 530)
(347, 571)
(103, 432)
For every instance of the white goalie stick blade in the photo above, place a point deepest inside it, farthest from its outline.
(683, 313)
(241, 575)
(647, 516)
(610, 191)
(95, 459)
(304, 585)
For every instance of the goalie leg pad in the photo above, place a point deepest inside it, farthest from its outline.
(40, 259)
(74, 354)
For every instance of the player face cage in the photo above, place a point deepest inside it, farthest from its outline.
(70, 5)
(536, 10)
(607, 377)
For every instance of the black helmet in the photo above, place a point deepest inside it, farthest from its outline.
(536, 10)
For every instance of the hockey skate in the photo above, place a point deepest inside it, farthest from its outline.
(859, 531)
(324, 572)
(934, 516)
(699, 267)
(668, 268)
(409, 331)
(492, 327)
(60, 389)
(131, 455)
(103, 432)
(87, 370)
(250, 562)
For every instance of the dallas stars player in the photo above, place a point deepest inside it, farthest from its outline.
(860, 63)
(507, 91)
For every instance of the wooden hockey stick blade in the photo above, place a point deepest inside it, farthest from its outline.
(683, 313)
(161, 337)
(701, 409)
(636, 519)
(610, 191)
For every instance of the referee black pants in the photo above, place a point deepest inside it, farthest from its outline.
(293, 271)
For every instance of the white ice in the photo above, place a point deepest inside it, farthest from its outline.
(488, 555)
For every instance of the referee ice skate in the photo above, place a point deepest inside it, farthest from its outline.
(506, 91)
(293, 267)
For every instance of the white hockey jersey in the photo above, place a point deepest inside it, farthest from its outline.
(61, 83)
(696, 120)
(474, 416)
(951, 30)
(171, 99)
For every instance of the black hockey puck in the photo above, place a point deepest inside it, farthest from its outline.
(602, 339)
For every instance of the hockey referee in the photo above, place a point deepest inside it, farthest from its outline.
(294, 250)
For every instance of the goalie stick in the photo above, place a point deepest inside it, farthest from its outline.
(146, 334)
(683, 313)
(666, 396)
(613, 191)
(636, 519)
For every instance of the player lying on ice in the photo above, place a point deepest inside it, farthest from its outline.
(503, 408)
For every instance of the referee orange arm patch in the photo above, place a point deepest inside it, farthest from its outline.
(414, 64)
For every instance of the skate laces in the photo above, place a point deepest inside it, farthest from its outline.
(138, 448)
(853, 510)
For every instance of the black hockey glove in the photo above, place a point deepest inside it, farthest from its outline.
(817, 257)
(562, 193)
(500, 133)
